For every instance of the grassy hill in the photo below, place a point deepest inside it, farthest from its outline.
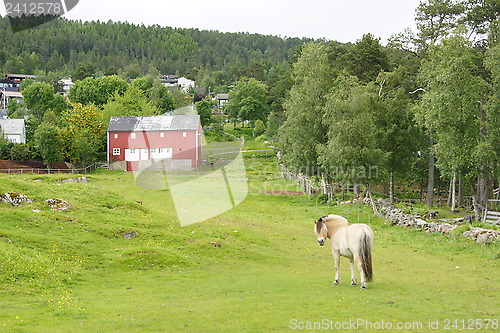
(118, 261)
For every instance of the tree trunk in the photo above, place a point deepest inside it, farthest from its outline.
(391, 188)
(460, 198)
(482, 182)
(430, 182)
(453, 193)
(448, 201)
(356, 191)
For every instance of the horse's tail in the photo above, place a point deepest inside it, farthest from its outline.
(366, 255)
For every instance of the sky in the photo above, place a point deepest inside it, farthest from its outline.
(340, 20)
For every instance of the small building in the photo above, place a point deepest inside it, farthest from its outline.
(169, 80)
(14, 130)
(9, 85)
(7, 96)
(222, 99)
(67, 84)
(19, 78)
(138, 143)
(185, 84)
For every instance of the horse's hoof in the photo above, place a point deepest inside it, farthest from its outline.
(336, 282)
(363, 287)
(354, 282)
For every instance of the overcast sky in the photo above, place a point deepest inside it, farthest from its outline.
(341, 20)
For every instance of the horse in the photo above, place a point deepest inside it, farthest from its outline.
(353, 241)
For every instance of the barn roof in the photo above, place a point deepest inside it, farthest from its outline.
(154, 123)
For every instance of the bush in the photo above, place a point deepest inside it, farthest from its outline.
(259, 128)
(261, 138)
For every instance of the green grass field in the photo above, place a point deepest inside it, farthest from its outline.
(255, 268)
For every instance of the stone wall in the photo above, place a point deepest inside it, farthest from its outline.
(398, 217)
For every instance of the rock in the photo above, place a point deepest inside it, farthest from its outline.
(58, 204)
(15, 199)
(82, 180)
(420, 223)
(483, 238)
(130, 235)
(466, 234)
(432, 214)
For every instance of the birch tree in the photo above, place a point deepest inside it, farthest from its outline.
(451, 107)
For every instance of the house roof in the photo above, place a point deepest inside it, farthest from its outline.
(222, 96)
(20, 76)
(13, 94)
(7, 81)
(12, 126)
(154, 123)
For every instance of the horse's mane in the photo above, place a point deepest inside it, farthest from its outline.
(319, 224)
(335, 218)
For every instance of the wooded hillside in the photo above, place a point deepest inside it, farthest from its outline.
(60, 45)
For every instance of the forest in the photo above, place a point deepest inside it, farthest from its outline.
(209, 57)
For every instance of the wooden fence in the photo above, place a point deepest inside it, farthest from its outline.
(88, 169)
(321, 186)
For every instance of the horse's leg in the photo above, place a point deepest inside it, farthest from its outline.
(357, 259)
(336, 258)
(353, 276)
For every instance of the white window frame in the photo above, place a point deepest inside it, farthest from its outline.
(132, 135)
(116, 151)
(116, 135)
(162, 135)
(184, 134)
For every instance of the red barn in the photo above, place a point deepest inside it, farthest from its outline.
(136, 143)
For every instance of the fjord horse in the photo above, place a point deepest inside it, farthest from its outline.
(353, 241)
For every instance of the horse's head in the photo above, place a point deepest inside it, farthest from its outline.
(321, 231)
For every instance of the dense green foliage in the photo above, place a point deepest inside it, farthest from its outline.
(366, 114)
(89, 47)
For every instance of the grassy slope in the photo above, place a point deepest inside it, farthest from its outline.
(74, 270)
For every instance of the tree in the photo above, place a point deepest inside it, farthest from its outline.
(204, 110)
(40, 97)
(303, 129)
(352, 151)
(450, 109)
(279, 85)
(49, 143)
(97, 90)
(399, 136)
(259, 128)
(248, 100)
(437, 19)
(82, 72)
(131, 103)
(481, 14)
(157, 93)
(367, 58)
(83, 135)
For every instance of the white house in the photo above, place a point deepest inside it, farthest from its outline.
(185, 83)
(13, 130)
(67, 85)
